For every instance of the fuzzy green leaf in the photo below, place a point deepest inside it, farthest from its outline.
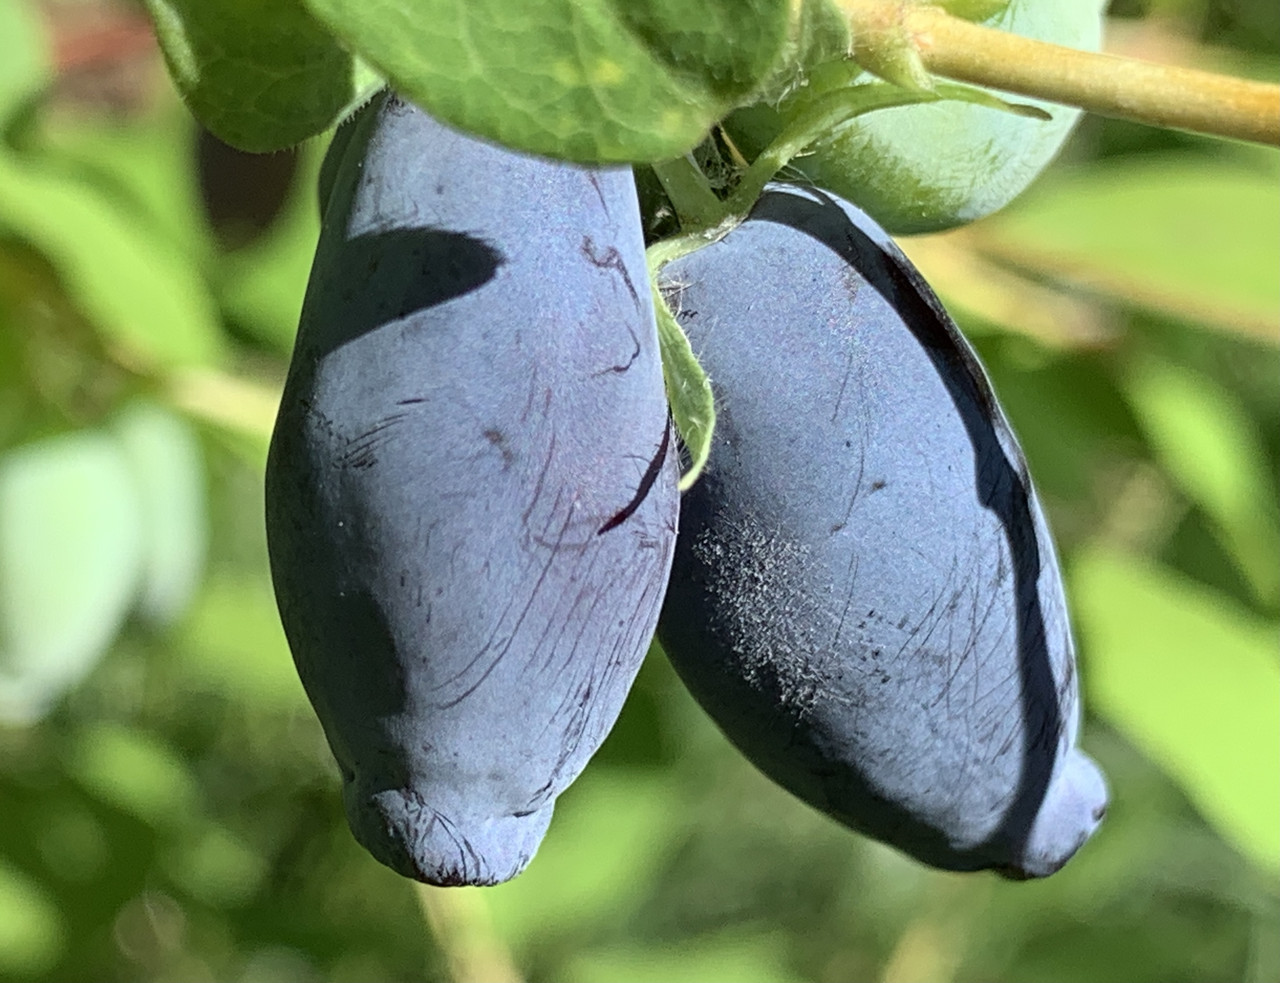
(693, 407)
(261, 76)
(596, 81)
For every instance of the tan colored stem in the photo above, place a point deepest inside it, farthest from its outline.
(459, 919)
(1109, 85)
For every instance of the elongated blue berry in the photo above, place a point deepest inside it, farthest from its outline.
(865, 594)
(471, 490)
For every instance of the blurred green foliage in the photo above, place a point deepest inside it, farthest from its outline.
(170, 809)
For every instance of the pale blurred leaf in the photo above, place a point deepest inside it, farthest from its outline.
(754, 958)
(145, 169)
(217, 867)
(71, 547)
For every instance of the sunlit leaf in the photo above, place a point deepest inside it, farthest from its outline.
(755, 957)
(146, 168)
(1193, 237)
(24, 55)
(689, 392)
(1212, 449)
(919, 168)
(217, 867)
(819, 33)
(140, 294)
(608, 836)
(1194, 682)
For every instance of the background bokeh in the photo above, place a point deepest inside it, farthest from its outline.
(168, 808)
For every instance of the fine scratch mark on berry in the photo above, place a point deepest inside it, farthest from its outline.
(646, 484)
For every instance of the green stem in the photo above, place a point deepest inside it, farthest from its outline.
(1124, 88)
(812, 124)
(695, 203)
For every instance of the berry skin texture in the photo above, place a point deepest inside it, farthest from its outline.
(865, 595)
(471, 489)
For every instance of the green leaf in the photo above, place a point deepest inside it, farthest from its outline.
(722, 46)
(599, 81)
(73, 841)
(891, 52)
(217, 867)
(147, 167)
(232, 644)
(689, 191)
(137, 772)
(168, 468)
(1187, 236)
(70, 559)
(1193, 681)
(757, 957)
(819, 33)
(32, 934)
(24, 54)
(260, 76)
(822, 110)
(140, 294)
(611, 830)
(1208, 443)
(974, 9)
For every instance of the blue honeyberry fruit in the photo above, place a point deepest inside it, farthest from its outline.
(865, 595)
(471, 489)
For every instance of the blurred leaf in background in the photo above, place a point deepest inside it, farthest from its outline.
(1192, 679)
(24, 61)
(171, 810)
(70, 564)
